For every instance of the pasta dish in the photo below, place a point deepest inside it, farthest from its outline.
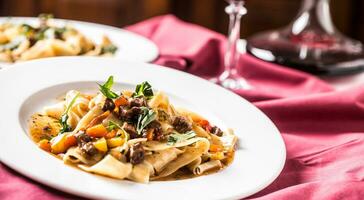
(136, 135)
(21, 42)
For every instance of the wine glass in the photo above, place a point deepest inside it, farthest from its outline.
(310, 43)
(230, 78)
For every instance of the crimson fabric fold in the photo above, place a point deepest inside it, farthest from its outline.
(322, 128)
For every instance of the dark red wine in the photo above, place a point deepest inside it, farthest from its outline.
(319, 54)
(310, 43)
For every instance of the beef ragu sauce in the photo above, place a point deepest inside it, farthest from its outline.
(137, 135)
(185, 173)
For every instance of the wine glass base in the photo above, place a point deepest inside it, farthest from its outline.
(236, 83)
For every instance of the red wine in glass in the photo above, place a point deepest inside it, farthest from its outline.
(310, 43)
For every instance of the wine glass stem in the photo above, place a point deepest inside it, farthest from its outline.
(235, 10)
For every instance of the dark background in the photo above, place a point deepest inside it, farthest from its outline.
(262, 14)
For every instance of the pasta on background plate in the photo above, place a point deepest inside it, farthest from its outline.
(21, 42)
(136, 135)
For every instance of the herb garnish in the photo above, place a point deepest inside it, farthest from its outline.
(12, 45)
(145, 118)
(43, 18)
(143, 89)
(27, 29)
(112, 125)
(64, 117)
(178, 137)
(40, 34)
(46, 16)
(105, 89)
(109, 49)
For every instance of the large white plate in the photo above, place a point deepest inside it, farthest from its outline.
(26, 87)
(131, 46)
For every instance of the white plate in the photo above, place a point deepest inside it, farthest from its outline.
(131, 46)
(26, 87)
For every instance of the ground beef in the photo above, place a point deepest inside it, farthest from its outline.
(138, 102)
(84, 142)
(108, 105)
(216, 131)
(136, 154)
(82, 138)
(157, 133)
(130, 115)
(89, 149)
(181, 124)
(131, 130)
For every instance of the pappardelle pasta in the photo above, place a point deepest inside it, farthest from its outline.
(136, 135)
(21, 42)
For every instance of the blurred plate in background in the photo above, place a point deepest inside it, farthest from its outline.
(131, 47)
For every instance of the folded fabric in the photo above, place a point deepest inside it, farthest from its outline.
(322, 128)
(199, 51)
(325, 146)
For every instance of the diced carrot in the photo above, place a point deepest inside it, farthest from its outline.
(121, 101)
(110, 134)
(98, 119)
(150, 134)
(97, 131)
(45, 145)
(216, 148)
(89, 97)
(205, 124)
(70, 141)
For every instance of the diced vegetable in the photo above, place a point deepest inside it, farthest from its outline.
(97, 131)
(217, 156)
(101, 145)
(216, 148)
(70, 141)
(45, 145)
(150, 134)
(114, 142)
(205, 124)
(110, 134)
(58, 144)
(121, 101)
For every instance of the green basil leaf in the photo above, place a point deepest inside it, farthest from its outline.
(64, 117)
(143, 89)
(145, 118)
(178, 137)
(109, 49)
(105, 89)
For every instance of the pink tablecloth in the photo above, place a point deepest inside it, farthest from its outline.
(322, 128)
